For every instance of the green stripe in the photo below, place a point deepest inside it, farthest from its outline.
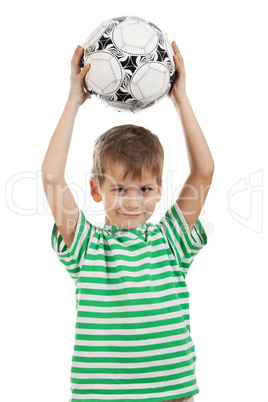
(183, 395)
(131, 371)
(131, 349)
(110, 269)
(129, 314)
(122, 257)
(134, 390)
(133, 360)
(129, 338)
(185, 230)
(126, 278)
(131, 302)
(133, 290)
(132, 380)
(116, 246)
(129, 326)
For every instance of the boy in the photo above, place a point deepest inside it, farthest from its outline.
(132, 338)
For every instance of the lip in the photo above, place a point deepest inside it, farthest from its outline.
(132, 216)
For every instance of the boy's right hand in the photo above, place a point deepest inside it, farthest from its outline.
(77, 93)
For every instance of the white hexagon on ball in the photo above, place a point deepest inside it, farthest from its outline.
(150, 82)
(105, 74)
(96, 34)
(135, 37)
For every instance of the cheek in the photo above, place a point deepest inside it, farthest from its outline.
(111, 201)
(149, 203)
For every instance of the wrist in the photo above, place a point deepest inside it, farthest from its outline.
(72, 105)
(178, 99)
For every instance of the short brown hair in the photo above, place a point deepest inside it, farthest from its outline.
(135, 147)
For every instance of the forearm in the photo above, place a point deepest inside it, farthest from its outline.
(56, 156)
(199, 155)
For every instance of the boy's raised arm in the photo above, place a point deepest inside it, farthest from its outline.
(194, 192)
(61, 201)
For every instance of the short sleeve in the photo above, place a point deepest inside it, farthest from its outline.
(185, 245)
(73, 257)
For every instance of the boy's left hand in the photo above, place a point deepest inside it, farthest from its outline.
(178, 90)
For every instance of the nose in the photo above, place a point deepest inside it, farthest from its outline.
(132, 200)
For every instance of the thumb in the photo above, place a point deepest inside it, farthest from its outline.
(85, 70)
(87, 95)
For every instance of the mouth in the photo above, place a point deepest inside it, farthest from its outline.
(131, 215)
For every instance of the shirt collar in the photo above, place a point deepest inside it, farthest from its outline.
(139, 231)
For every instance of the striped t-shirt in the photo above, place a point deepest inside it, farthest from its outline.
(132, 331)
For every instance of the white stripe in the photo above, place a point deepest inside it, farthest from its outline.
(138, 331)
(93, 273)
(183, 258)
(115, 250)
(124, 366)
(131, 284)
(130, 320)
(148, 353)
(179, 232)
(163, 373)
(119, 261)
(140, 307)
(163, 395)
(134, 296)
(198, 243)
(129, 235)
(140, 343)
(63, 255)
(136, 386)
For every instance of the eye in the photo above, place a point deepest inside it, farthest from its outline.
(119, 190)
(146, 189)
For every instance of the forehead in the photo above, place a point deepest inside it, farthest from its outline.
(114, 174)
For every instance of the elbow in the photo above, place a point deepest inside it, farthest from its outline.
(48, 176)
(53, 169)
(211, 169)
(46, 173)
(205, 172)
(208, 169)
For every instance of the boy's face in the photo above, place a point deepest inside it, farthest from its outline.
(127, 203)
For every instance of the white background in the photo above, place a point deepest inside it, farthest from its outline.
(224, 45)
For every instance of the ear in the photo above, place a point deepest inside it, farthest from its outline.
(95, 192)
(159, 193)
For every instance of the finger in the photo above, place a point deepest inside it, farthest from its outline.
(73, 61)
(84, 71)
(76, 59)
(177, 51)
(75, 54)
(178, 63)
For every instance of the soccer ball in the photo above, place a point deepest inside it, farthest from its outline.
(131, 62)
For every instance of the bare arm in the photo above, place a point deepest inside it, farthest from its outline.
(194, 192)
(61, 201)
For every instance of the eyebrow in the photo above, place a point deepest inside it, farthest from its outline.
(124, 185)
